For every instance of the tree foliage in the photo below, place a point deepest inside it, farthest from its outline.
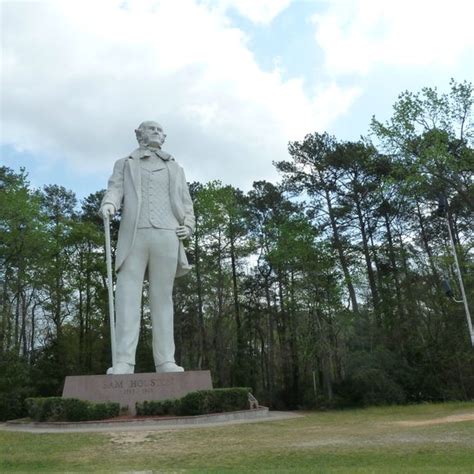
(322, 290)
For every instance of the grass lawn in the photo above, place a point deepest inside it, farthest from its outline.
(419, 438)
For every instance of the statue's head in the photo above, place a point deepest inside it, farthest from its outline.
(150, 133)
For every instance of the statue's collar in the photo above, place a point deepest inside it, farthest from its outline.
(144, 152)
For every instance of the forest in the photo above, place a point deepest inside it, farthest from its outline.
(334, 287)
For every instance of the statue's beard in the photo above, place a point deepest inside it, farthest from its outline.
(154, 143)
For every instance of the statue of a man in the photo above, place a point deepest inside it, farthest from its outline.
(157, 215)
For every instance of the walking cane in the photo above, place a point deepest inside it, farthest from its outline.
(110, 286)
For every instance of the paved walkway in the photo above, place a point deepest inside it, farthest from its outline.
(203, 421)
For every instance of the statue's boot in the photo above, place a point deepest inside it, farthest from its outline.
(168, 367)
(121, 368)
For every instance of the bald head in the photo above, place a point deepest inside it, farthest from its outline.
(150, 133)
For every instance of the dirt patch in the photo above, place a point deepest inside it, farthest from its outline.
(438, 421)
(130, 437)
(323, 442)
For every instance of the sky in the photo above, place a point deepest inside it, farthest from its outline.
(230, 81)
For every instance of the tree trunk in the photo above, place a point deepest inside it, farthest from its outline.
(5, 316)
(271, 342)
(368, 260)
(203, 360)
(217, 339)
(295, 370)
(340, 252)
(394, 272)
(239, 375)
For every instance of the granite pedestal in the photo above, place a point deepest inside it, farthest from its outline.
(131, 388)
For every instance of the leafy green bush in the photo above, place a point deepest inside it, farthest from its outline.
(102, 411)
(158, 408)
(193, 403)
(15, 385)
(45, 408)
(77, 410)
(69, 409)
(233, 399)
(373, 378)
(12, 405)
(200, 402)
(214, 401)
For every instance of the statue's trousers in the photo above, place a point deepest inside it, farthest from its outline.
(157, 251)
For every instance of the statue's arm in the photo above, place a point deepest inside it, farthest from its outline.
(189, 220)
(114, 193)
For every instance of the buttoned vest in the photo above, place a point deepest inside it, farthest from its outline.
(156, 208)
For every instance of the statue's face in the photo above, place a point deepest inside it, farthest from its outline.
(151, 134)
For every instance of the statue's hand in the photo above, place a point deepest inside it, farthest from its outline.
(183, 232)
(107, 210)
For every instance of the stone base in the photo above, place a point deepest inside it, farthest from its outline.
(131, 388)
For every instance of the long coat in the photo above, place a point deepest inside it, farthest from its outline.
(124, 188)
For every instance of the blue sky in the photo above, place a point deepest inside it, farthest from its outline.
(231, 81)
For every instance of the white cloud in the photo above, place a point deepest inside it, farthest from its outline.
(258, 11)
(79, 76)
(358, 35)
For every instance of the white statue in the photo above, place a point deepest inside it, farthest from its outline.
(157, 215)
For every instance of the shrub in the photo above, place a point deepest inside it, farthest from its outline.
(373, 378)
(200, 402)
(193, 403)
(102, 411)
(47, 408)
(76, 410)
(12, 405)
(158, 408)
(232, 399)
(69, 409)
(15, 385)
(370, 387)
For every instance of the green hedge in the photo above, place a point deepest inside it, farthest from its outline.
(12, 405)
(201, 402)
(158, 408)
(69, 409)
